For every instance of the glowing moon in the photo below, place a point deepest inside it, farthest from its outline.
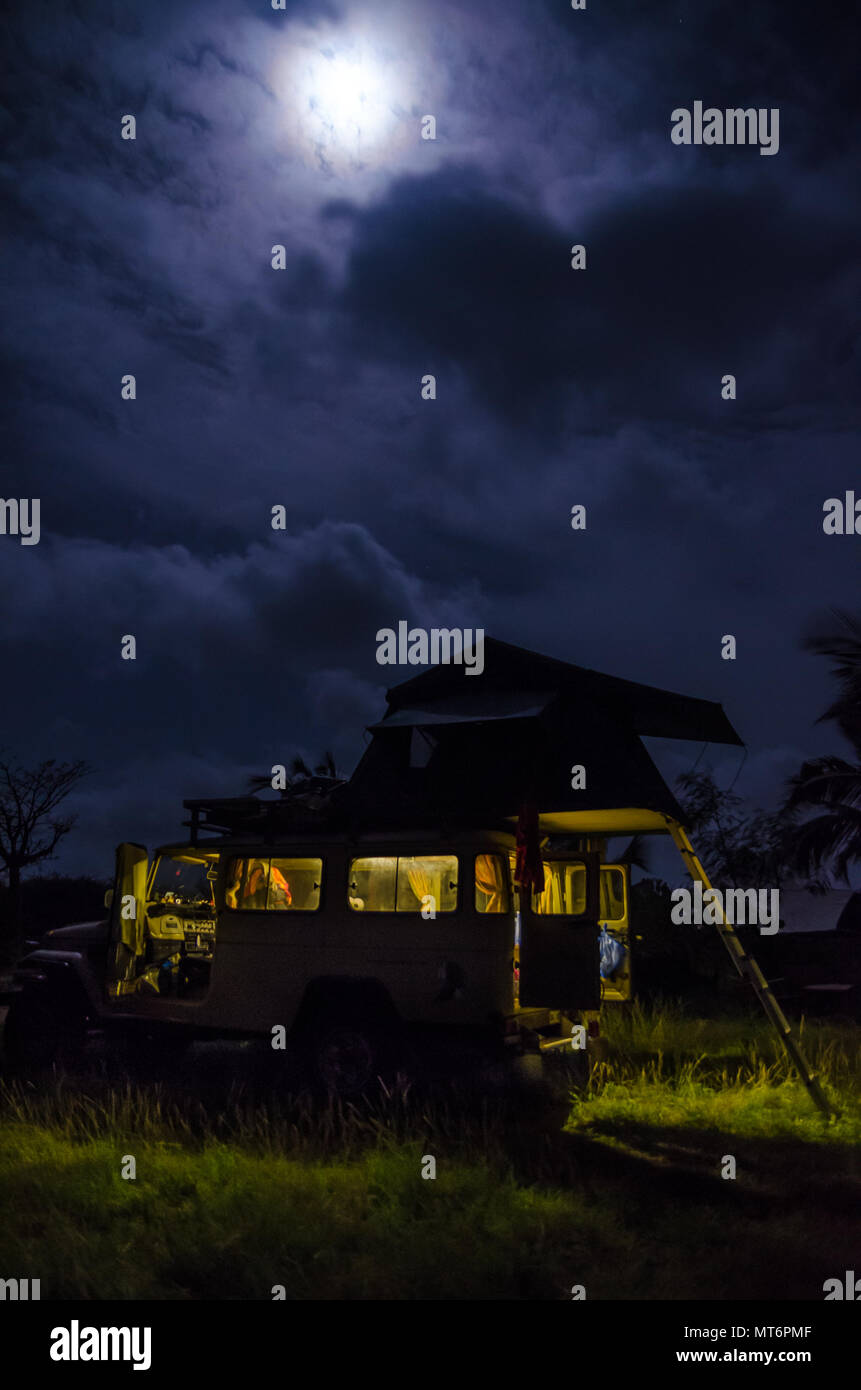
(346, 96)
(346, 100)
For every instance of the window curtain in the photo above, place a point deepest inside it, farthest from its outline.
(233, 882)
(490, 879)
(550, 901)
(423, 884)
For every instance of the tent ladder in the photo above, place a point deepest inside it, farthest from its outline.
(750, 971)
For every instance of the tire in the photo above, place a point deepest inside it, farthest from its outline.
(347, 1056)
(41, 1035)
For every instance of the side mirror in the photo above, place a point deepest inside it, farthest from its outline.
(109, 897)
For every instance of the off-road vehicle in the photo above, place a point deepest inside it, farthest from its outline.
(348, 948)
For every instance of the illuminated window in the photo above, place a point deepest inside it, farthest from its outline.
(273, 885)
(612, 895)
(372, 885)
(180, 880)
(564, 890)
(388, 884)
(429, 881)
(491, 883)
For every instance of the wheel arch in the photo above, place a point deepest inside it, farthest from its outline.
(345, 997)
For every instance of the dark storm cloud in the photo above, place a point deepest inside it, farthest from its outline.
(291, 600)
(302, 387)
(681, 285)
(239, 657)
(785, 53)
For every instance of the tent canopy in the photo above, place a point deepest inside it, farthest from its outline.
(515, 673)
(473, 749)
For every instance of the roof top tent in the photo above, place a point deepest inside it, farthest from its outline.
(454, 750)
(475, 750)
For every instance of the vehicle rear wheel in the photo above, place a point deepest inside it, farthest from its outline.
(347, 1056)
(41, 1034)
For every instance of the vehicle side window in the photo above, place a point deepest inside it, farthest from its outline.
(408, 884)
(491, 883)
(371, 886)
(273, 885)
(428, 882)
(564, 890)
(612, 895)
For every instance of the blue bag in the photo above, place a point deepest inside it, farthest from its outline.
(611, 953)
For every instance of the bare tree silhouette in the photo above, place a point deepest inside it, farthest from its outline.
(30, 828)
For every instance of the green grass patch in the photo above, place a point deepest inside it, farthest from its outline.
(221, 1222)
(616, 1186)
(731, 1075)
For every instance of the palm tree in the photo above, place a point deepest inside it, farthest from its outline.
(300, 778)
(830, 785)
(636, 853)
(739, 847)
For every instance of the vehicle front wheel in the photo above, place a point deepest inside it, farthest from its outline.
(41, 1034)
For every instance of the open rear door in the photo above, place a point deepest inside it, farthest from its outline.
(127, 917)
(615, 921)
(559, 966)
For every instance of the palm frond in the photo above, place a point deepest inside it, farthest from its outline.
(839, 638)
(826, 781)
(830, 839)
(326, 765)
(636, 853)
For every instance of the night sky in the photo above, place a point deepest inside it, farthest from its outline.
(405, 256)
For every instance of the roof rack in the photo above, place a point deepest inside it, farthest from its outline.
(308, 809)
(222, 815)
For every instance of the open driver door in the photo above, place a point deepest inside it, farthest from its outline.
(127, 918)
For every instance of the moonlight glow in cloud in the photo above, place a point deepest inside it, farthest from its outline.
(347, 101)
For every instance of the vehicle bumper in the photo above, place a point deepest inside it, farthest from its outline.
(538, 1030)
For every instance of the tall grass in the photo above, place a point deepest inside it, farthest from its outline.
(616, 1185)
(324, 1199)
(729, 1074)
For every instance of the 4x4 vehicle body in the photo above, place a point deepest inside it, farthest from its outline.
(389, 899)
(236, 936)
(302, 919)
